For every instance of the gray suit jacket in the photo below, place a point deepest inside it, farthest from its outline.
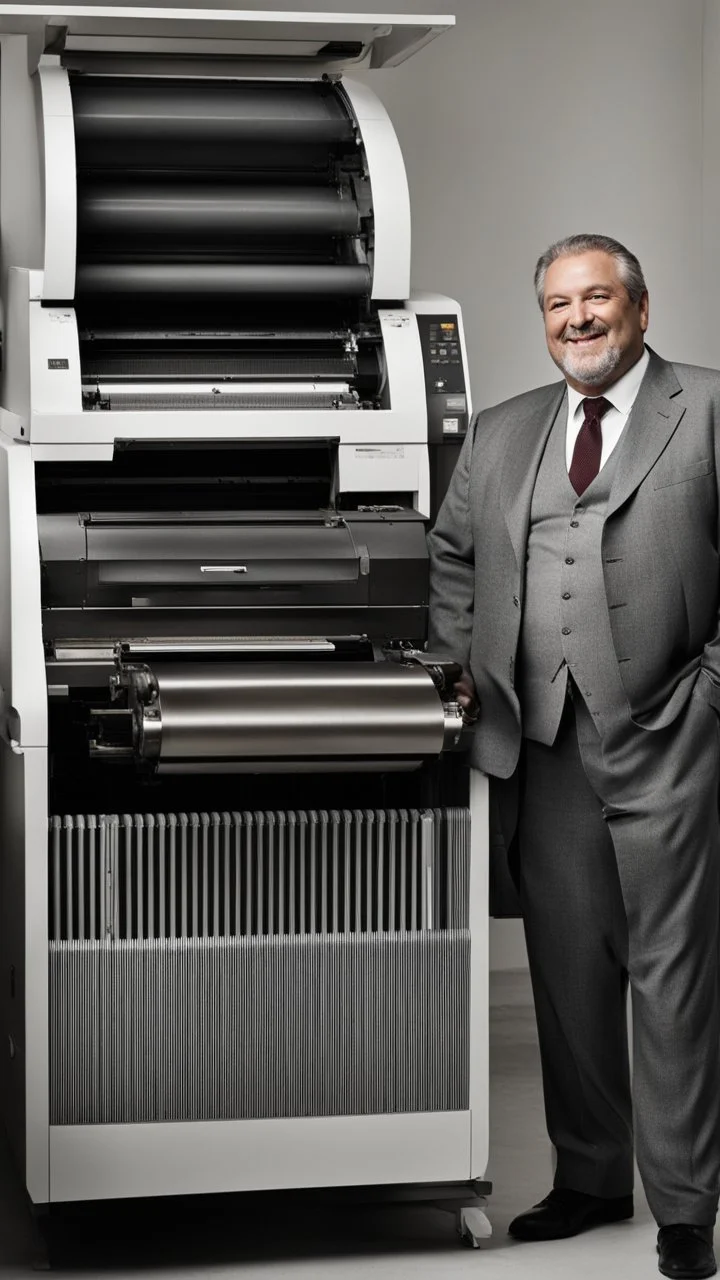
(660, 551)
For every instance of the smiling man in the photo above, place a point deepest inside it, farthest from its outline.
(574, 574)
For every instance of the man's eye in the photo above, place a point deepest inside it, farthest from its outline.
(599, 297)
(555, 306)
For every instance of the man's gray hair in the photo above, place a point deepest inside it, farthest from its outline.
(629, 268)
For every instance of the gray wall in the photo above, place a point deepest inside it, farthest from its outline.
(536, 118)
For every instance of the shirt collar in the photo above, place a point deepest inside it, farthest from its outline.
(621, 394)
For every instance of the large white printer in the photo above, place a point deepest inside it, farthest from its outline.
(243, 861)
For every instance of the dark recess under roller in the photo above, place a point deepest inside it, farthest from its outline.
(161, 354)
(172, 364)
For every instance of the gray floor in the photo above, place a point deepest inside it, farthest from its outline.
(282, 1238)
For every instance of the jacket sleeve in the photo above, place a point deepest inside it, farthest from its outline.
(452, 565)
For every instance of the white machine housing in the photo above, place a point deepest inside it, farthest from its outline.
(43, 419)
(42, 394)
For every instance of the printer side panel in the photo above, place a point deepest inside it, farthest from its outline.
(23, 826)
(390, 194)
(447, 386)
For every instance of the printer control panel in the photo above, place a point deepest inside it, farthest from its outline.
(444, 377)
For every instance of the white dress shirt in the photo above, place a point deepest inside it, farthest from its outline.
(622, 395)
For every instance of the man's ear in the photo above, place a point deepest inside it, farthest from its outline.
(644, 306)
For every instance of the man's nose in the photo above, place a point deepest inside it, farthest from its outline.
(580, 313)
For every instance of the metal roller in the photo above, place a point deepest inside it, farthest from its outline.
(216, 278)
(194, 111)
(188, 714)
(156, 220)
(194, 213)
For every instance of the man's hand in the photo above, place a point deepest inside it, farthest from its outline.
(466, 694)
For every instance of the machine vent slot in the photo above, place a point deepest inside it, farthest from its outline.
(259, 965)
(224, 875)
(131, 403)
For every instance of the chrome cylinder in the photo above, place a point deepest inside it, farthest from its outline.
(227, 713)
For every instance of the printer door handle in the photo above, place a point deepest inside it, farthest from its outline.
(223, 568)
(276, 572)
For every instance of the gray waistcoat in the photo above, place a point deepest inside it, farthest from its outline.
(565, 615)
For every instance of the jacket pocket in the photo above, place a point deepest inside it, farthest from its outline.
(691, 471)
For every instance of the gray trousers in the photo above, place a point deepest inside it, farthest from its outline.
(619, 881)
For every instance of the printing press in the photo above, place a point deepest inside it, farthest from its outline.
(243, 881)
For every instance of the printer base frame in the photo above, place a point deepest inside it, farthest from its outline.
(465, 1200)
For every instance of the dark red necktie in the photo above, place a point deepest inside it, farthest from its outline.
(588, 446)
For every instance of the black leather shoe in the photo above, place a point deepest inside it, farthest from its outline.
(686, 1252)
(566, 1213)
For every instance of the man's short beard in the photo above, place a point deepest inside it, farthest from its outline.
(593, 371)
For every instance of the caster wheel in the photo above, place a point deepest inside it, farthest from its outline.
(473, 1226)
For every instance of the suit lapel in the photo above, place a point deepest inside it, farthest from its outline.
(653, 419)
(526, 442)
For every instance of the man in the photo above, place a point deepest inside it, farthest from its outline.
(574, 574)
